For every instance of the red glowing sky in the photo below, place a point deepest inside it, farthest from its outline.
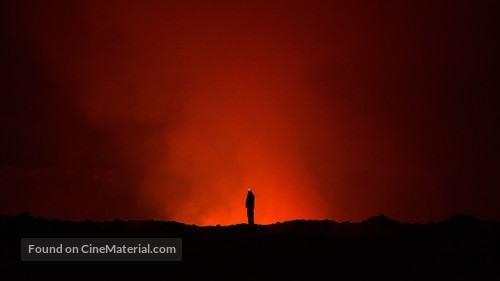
(172, 109)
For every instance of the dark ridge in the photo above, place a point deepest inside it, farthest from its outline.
(377, 248)
(381, 220)
(461, 219)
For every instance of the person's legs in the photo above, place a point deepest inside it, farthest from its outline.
(250, 216)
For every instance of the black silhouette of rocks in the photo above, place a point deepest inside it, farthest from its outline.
(377, 248)
(380, 220)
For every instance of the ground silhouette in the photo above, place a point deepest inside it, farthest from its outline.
(377, 248)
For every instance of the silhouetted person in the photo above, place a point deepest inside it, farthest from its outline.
(250, 205)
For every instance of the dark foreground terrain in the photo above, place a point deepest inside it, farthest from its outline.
(377, 249)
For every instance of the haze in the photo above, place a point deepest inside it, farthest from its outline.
(171, 110)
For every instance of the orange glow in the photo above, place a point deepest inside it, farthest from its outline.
(171, 110)
(237, 131)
